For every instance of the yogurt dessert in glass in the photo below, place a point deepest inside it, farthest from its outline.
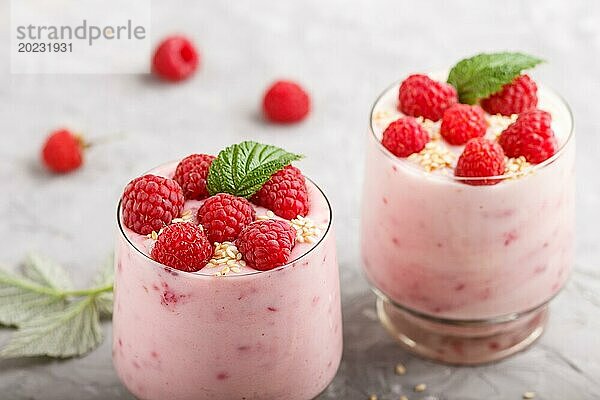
(468, 215)
(219, 297)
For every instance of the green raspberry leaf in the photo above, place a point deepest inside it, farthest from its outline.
(480, 76)
(52, 318)
(242, 169)
(39, 291)
(106, 276)
(71, 332)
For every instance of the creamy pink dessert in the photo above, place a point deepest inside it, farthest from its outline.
(228, 331)
(451, 260)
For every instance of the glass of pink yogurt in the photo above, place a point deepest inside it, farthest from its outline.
(228, 331)
(464, 273)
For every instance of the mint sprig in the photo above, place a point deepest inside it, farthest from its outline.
(51, 317)
(242, 169)
(480, 76)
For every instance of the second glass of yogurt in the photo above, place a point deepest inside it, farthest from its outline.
(227, 330)
(463, 272)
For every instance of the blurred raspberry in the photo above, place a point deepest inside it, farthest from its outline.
(404, 137)
(63, 152)
(481, 158)
(530, 136)
(286, 102)
(175, 59)
(514, 98)
(462, 122)
(421, 96)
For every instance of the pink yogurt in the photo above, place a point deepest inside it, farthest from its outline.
(438, 246)
(252, 335)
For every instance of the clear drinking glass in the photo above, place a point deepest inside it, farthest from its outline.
(261, 335)
(464, 274)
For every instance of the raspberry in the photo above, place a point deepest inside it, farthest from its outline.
(183, 246)
(404, 137)
(462, 122)
(175, 59)
(151, 202)
(223, 217)
(284, 193)
(514, 98)
(481, 157)
(530, 136)
(286, 102)
(266, 244)
(191, 174)
(63, 151)
(421, 96)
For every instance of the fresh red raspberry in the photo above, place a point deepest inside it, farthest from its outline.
(266, 244)
(63, 151)
(285, 193)
(151, 202)
(530, 136)
(183, 246)
(404, 137)
(223, 217)
(421, 96)
(191, 174)
(462, 122)
(285, 102)
(175, 59)
(514, 98)
(481, 158)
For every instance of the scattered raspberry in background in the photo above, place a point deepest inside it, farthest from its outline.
(516, 97)
(183, 246)
(151, 202)
(404, 137)
(530, 136)
(266, 244)
(191, 174)
(462, 122)
(421, 96)
(175, 59)
(481, 158)
(284, 193)
(63, 151)
(223, 217)
(286, 102)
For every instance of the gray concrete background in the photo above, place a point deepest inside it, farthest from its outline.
(345, 53)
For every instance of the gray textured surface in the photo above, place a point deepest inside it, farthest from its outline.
(345, 53)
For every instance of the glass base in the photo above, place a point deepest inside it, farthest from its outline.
(461, 342)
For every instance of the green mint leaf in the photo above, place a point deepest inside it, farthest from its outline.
(242, 169)
(22, 299)
(480, 76)
(71, 332)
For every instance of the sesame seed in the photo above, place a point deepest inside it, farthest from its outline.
(373, 397)
(529, 395)
(403, 397)
(400, 369)
(420, 387)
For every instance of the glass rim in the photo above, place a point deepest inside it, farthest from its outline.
(534, 167)
(198, 274)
